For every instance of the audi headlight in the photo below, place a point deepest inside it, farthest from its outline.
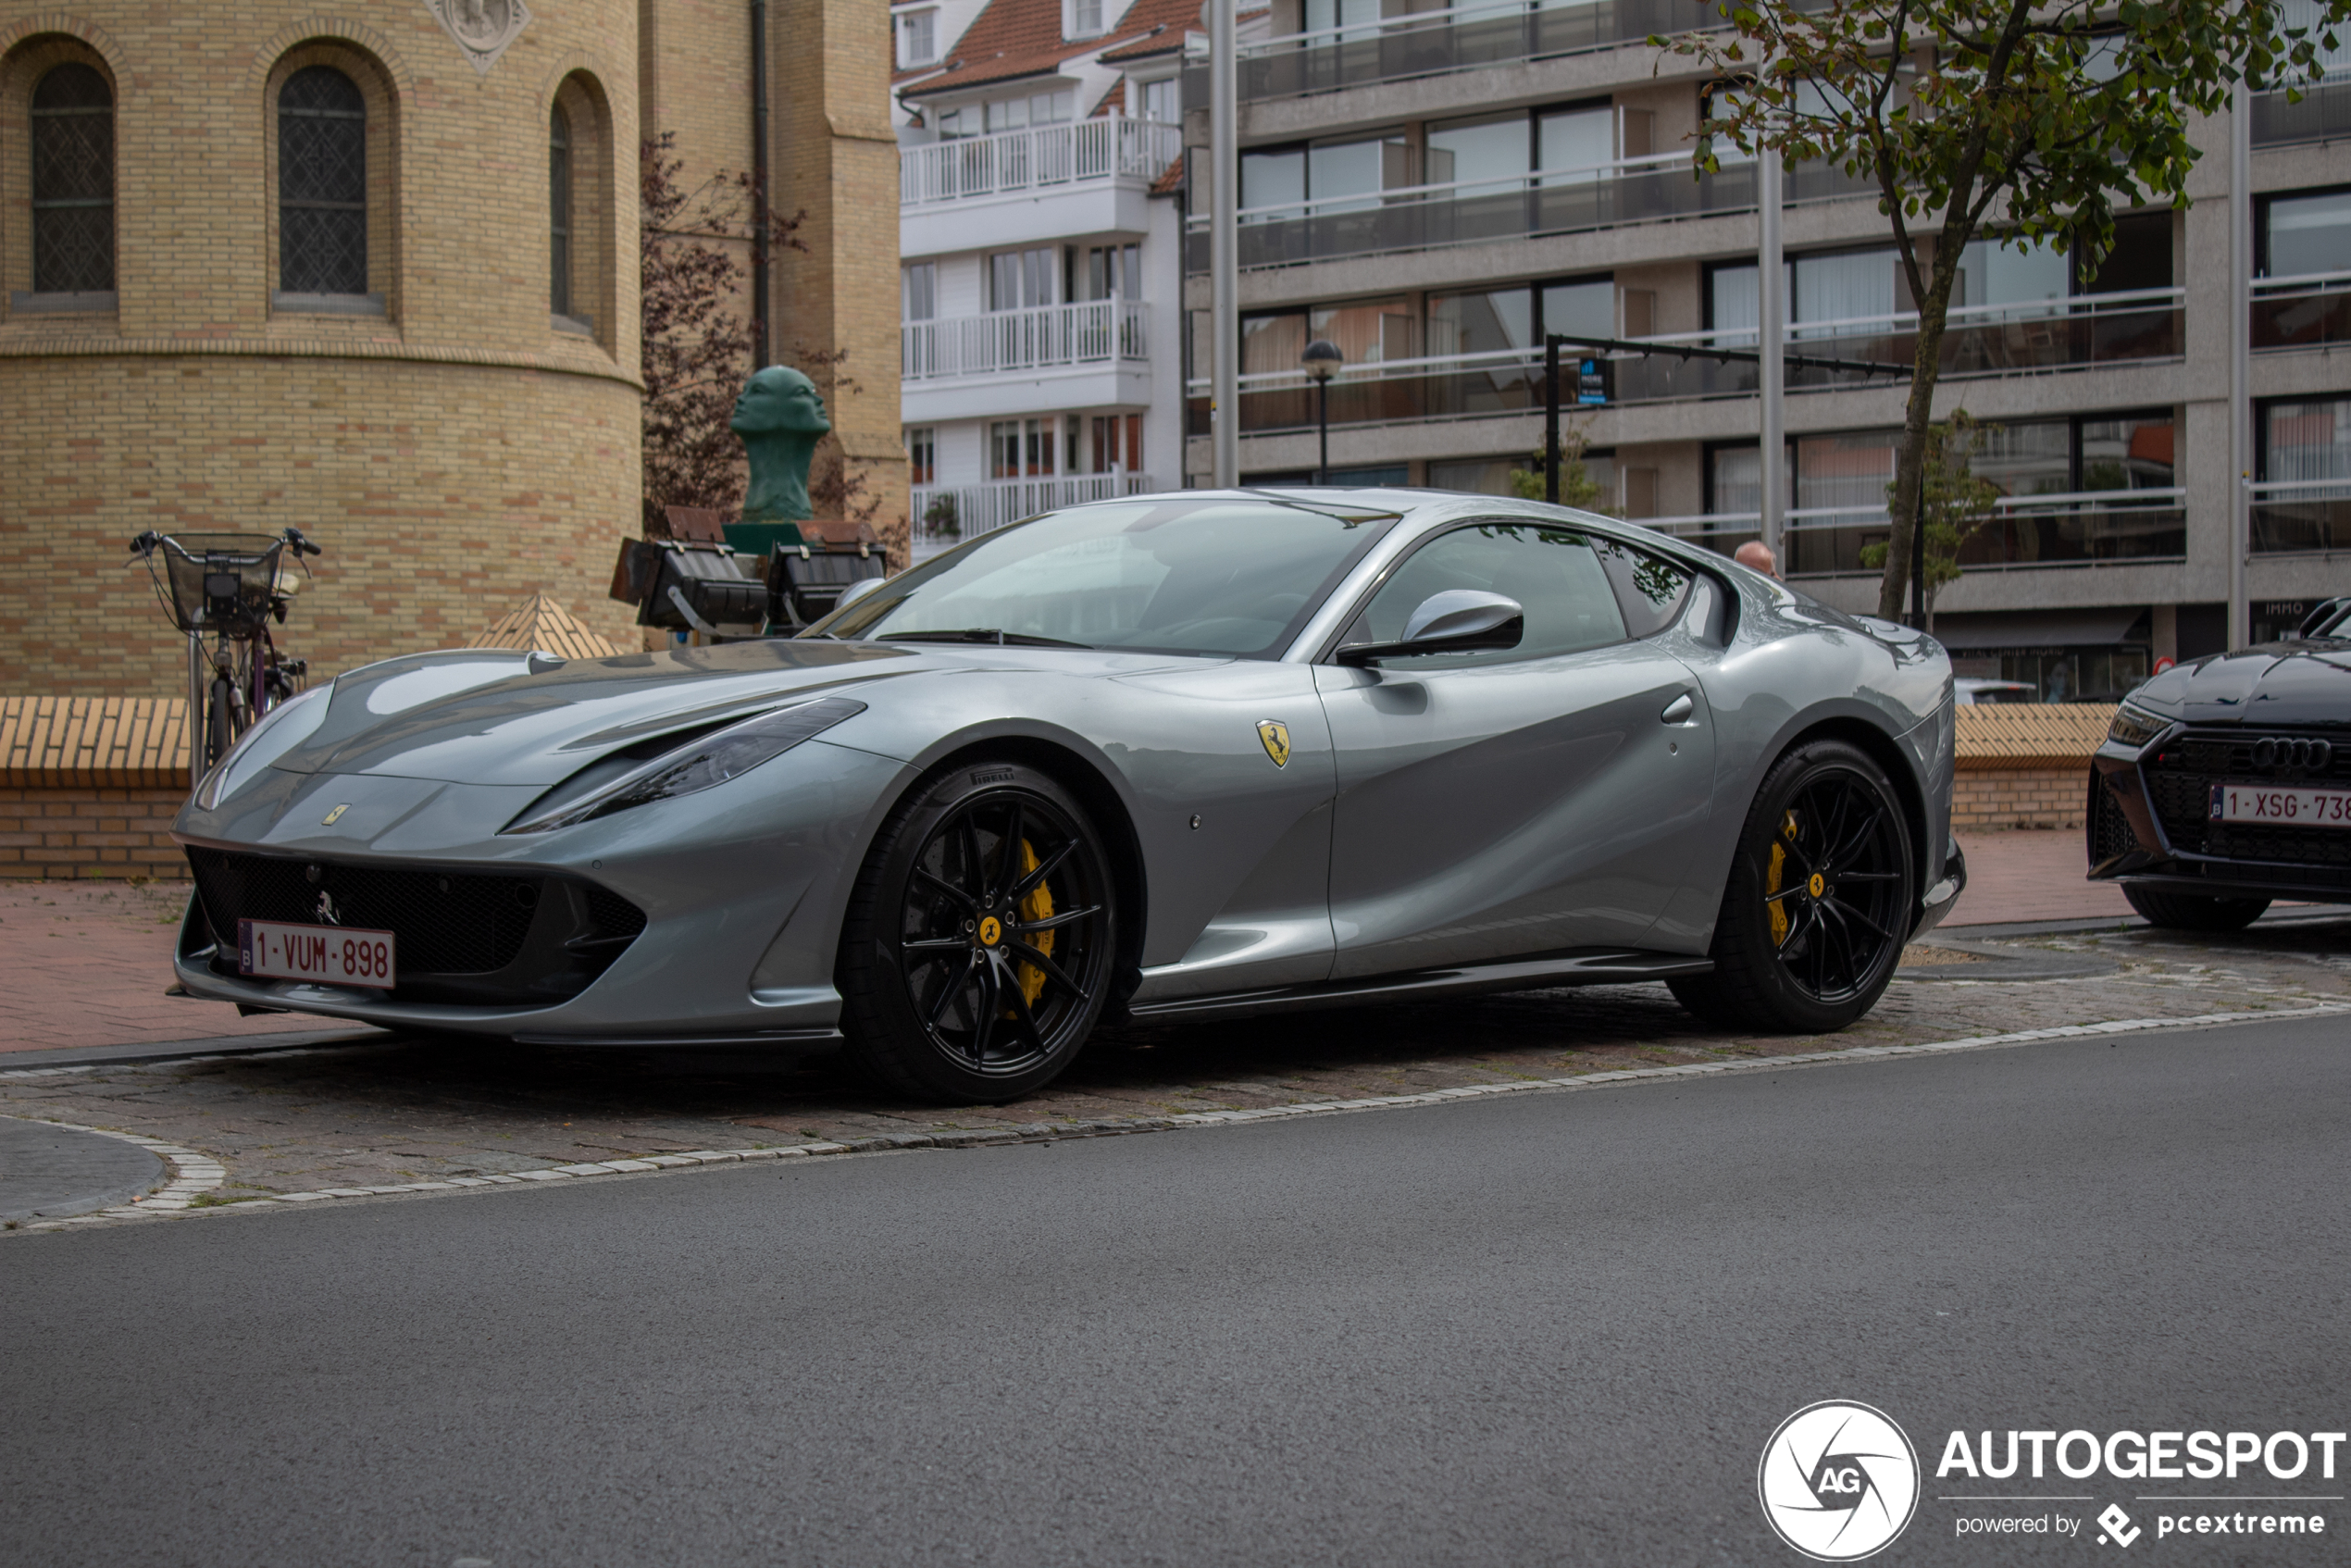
(701, 764)
(281, 730)
(2134, 726)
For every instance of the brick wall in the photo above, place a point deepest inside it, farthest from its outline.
(86, 831)
(453, 452)
(2020, 797)
(2025, 765)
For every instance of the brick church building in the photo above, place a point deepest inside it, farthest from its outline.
(368, 267)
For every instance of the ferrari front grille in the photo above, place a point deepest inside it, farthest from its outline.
(447, 922)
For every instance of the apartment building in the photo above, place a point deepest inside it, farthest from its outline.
(1434, 190)
(1040, 147)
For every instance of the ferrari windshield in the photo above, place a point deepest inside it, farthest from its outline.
(1218, 575)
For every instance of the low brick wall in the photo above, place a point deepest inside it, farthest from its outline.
(89, 786)
(2025, 766)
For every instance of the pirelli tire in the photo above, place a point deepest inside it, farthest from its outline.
(1821, 897)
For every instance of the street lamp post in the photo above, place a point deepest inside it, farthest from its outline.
(1320, 361)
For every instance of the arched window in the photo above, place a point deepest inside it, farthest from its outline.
(559, 212)
(72, 181)
(322, 184)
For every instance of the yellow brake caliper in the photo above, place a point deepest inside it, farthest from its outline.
(1037, 906)
(1777, 908)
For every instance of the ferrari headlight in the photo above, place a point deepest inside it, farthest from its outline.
(281, 730)
(701, 764)
(2135, 727)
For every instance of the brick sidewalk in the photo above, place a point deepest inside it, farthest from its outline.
(87, 963)
(2030, 873)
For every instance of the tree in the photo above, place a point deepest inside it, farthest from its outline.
(1577, 487)
(2040, 115)
(1959, 504)
(698, 348)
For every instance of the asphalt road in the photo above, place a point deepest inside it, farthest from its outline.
(1549, 1328)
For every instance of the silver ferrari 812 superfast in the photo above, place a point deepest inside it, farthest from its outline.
(1181, 756)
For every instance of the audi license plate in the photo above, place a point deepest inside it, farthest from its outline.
(330, 955)
(2262, 802)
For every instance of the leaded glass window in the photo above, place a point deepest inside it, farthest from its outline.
(559, 212)
(322, 184)
(72, 181)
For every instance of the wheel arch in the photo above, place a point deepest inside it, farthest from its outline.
(1092, 782)
(1900, 770)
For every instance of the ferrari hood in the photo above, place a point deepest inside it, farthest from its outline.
(494, 717)
(2276, 683)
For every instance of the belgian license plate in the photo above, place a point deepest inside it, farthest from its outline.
(330, 955)
(2264, 803)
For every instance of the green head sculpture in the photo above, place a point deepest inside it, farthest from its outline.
(780, 417)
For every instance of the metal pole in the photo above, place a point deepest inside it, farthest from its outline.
(1223, 247)
(760, 264)
(1323, 421)
(199, 682)
(2240, 359)
(1551, 420)
(1771, 312)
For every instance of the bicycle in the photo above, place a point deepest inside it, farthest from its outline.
(224, 589)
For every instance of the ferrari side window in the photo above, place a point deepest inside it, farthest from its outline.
(1555, 574)
(1651, 587)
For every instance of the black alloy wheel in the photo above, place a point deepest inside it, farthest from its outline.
(1820, 901)
(976, 955)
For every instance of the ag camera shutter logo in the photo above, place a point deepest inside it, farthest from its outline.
(1838, 1481)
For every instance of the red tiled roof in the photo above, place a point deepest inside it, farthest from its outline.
(1171, 181)
(1018, 38)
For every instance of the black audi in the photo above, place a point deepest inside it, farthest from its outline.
(2226, 783)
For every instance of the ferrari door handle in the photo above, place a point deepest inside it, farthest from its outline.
(1678, 711)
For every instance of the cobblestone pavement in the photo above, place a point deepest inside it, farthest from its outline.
(310, 1119)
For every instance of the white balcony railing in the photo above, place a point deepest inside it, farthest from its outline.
(1045, 338)
(979, 508)
(1110, 148)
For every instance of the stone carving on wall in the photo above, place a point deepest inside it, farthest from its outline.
(482, 28)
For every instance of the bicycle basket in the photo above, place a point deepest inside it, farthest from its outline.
(221, 581)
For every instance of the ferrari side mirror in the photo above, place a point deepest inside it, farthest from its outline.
(1460, 620)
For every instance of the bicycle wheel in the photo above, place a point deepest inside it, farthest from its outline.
(219, 720)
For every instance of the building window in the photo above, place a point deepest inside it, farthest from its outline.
(1084, 18)
(1050, 107)
(1023, 280)
(2305, 235)
(1161, 100)
(1117, 444)
(918, 291)
(72, 181)
(921, 454)
(1111, 270)
(1020, 448)
(917, 38)
(322, 184)
(1336, 175)
(559, 211)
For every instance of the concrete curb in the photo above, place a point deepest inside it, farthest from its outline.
(200, 1173)
(192, 1174)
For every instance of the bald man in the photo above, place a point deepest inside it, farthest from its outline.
(1756, 556)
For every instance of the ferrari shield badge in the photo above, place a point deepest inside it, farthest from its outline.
(1275, 734)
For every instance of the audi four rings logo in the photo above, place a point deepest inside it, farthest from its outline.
(1838, 1481)
(2284, 751)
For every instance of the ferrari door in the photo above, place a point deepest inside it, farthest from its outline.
(1494, 805)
